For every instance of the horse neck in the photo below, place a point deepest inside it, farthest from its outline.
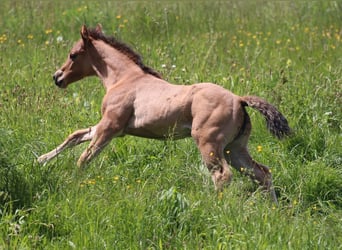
(111, 65)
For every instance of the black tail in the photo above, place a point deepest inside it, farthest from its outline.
(276, 122)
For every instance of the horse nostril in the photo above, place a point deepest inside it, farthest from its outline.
(57, 77)
(57, 74)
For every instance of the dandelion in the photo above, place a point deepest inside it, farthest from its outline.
(47, 42)
(118, 16)
(116, 178)
(138, 181)
(91, 182)
(259, 148)
(121, 26)
(278, 42)
(125, 21)
(288, 62)
(59, 39)
(30, 36)
(20, 43)
(242, 169)
(3, 38)
(48, 31)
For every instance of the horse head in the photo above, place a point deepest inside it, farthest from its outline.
(78, 64)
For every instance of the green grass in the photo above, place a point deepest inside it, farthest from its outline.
(157, 195)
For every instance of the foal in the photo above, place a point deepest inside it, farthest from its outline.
(139, 102)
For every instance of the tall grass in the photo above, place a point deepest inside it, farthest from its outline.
(143, 194)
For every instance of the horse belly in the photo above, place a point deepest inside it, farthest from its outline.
(158, 128)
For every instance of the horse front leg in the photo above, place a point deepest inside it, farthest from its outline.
(104, 134)
(72, 140)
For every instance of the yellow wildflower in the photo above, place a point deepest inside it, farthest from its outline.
(288, 62)
(48, 31)
(3, 38)
(259, 148)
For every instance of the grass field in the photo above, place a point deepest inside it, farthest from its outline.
(158, 195)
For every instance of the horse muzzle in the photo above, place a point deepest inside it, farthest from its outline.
(58, 78)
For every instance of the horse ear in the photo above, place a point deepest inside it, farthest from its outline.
(98, 28)
(84, 33)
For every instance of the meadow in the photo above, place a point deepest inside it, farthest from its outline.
(147, 194)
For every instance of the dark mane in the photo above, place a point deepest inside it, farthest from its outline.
(125, 49)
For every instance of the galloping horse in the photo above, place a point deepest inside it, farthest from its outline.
(139, 102)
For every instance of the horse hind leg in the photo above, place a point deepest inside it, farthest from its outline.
(213, 157)
(240, 159)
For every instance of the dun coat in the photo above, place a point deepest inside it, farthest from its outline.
(139, 102)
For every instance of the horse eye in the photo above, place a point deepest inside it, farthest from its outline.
(73, 56)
